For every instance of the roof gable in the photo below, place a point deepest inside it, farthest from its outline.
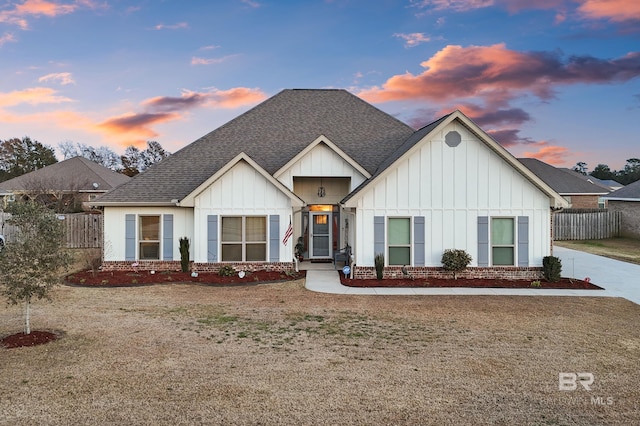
(272, 134)
(420, 137)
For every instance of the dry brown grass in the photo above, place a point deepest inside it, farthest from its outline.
(279, 354)
(625, 249)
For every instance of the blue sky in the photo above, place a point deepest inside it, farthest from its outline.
(552, 79)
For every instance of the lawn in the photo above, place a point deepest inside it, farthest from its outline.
(279, 354)
(625, 249)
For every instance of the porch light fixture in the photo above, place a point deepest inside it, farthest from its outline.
(321, 190)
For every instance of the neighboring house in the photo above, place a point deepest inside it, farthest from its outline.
(67, 186)
(627, 201)
(580, 191)
(341, 172)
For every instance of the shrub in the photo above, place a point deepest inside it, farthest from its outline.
(226, 271)
(551, 268)
(379, 262)
(455, 260)
(184, 254)
(91, 259)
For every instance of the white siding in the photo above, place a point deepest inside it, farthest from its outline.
(114, 228)
(321, 161)
(451, 187)
(242, 191)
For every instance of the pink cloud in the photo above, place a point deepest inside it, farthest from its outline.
(135, 128)
(413, 39)
(614, 10)
(63, 78)
(497, 73)
(551, 154)
(6, 38)
(209, 61)
(232, 98)
(33, 96)
(179, 25)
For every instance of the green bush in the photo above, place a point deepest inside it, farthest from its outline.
(226, 271)
(379, 262)
(184, 254)
(551, 268)
(455, 260)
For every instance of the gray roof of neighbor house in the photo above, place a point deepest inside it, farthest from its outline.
(630, 192)
(609, 185)
(271, 134)
(563, 181)
(73, 174)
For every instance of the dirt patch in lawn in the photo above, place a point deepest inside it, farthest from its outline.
(564, 283)
(132, 278)
(36, 337)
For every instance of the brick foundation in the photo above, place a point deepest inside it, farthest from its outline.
(161, 265)
(507, 272)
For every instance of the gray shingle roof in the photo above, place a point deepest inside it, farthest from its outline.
(562, 181)
(630, 192)
(272, 133)
(73, 174)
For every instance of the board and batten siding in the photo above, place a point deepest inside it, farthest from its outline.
(242, 191)
(450, 188)
(116, 233)
(321, 161)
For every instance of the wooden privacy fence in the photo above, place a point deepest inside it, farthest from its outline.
(81, 230)
(583, 224)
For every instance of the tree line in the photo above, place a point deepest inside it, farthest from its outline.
(19, 156)
(628, 174)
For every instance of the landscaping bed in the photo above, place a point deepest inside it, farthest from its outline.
(133, 278)
(564, 283)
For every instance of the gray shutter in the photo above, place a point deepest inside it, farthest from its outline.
(378, 235)
(483, 240)
(167, 237)
(274, 238)
(130, 237)
(523, 240)
(418, 240)
(212, 238)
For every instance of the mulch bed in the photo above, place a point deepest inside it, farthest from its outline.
(564, 283)
(34, 338)
(131, 278)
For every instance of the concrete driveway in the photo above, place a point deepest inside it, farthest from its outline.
(619, 279)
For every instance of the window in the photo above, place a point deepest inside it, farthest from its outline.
(502, 241)
(244, 238)
(399, 238)
(149, 238)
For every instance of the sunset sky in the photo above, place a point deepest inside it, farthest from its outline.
(553, 79)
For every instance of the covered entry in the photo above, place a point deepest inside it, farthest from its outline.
(321, 231)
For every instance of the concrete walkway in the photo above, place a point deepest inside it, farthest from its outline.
(619, 279)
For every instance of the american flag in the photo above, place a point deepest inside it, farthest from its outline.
(288, 234)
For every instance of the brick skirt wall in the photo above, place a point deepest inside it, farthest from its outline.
(162, 265)
(506, 272)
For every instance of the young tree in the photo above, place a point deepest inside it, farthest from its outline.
(580, 167)
(31, 266)
(103, 155)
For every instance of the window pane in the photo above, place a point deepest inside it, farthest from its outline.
(149, 251)
(232, 229)
(503, 256)
(256, 229)
(399, 256)
(256, 252)
(501, 231)
(399, 230)
(321, 224)
(232, 252)
(150, 228)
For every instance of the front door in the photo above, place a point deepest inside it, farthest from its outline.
(320, 235)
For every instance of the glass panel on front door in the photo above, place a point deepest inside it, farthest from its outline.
(320, 235)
